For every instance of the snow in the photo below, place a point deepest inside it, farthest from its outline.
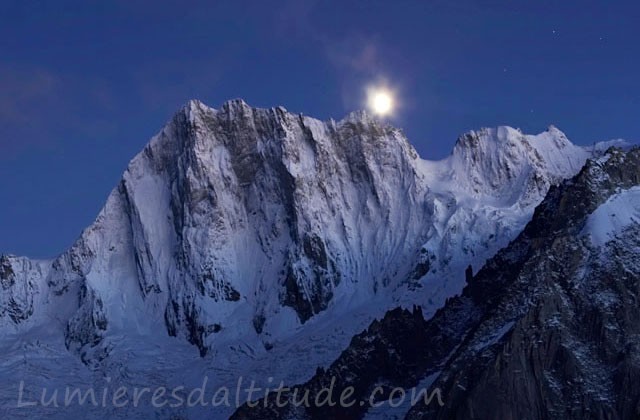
(228, 205)
(612, 217)
(603, 146)
(484, 194)
(494, 337)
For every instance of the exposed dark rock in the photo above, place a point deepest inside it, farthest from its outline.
(401, 344)
(258, 323)
(425, 258)
(314, 249)
(85, 331)
(468, 274)
(549, 328)
(7, 276)
(217, 289)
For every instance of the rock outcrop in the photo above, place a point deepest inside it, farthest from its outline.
(548, 328)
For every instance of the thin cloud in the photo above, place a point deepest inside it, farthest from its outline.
(22, 90)
(38, 107)
(356, 52)
(357, 57)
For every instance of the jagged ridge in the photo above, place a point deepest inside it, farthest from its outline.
(242, 230)
(548, 328)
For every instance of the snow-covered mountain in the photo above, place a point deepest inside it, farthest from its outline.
(257, 235)
(547, 329)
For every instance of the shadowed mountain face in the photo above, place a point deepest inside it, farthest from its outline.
(254, 236)
(548, 328)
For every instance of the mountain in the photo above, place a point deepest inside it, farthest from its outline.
(252, 236)
(548, 328)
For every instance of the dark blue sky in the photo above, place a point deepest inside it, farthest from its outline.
(84, 85)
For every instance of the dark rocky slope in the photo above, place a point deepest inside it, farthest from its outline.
(549, 328)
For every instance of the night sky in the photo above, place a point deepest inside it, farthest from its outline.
(84, 85)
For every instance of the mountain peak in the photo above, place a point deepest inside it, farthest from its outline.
(235, 104)
(359, 115)
(242, 229)
(194, 105)
(231, 107)
(553, 129)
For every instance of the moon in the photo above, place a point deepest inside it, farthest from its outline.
(381, 101)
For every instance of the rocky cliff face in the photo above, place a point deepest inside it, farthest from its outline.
(548, 328)
(258, 218)
(560, 338)
(240, 230)
(19, 278)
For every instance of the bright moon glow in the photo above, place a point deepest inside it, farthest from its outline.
(381, 102)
